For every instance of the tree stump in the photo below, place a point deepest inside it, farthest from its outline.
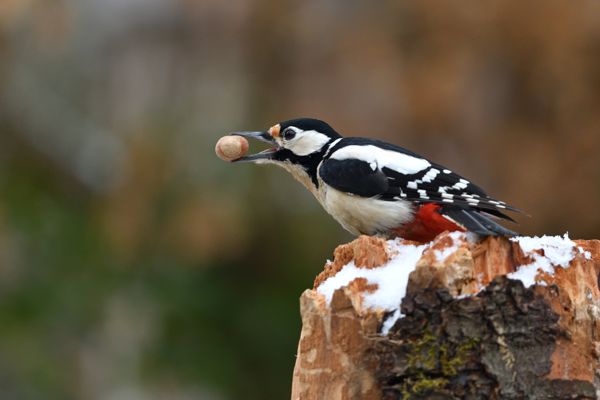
(453, 319)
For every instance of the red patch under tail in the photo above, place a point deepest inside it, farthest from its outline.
(427, 224)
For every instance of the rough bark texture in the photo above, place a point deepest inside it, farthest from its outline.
(467, 330)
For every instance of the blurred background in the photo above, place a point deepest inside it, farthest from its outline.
(134, 264)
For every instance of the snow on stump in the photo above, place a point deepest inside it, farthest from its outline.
(499, 319)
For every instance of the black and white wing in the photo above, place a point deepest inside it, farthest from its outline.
(371, 168)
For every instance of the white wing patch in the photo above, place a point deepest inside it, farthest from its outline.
(331, 146)
(461, 184)
(430, 175)
(380, 158)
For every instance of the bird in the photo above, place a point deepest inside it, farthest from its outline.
(371, 187)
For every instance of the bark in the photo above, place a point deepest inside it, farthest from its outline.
(467, 330)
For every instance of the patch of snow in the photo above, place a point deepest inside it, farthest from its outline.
(390, 321)
(391, 278)
(441, 255)
(558, 251)
(465, 295)
(527, 273)
(586, 254)
(472, 238)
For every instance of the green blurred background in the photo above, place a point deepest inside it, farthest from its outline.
(134, 264)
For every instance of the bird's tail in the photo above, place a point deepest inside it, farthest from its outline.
(476, 222)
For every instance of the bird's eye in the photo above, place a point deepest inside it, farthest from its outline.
(289, 134)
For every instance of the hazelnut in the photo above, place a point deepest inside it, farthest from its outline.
(231, 147)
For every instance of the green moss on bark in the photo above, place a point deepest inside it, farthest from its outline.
(432, 364)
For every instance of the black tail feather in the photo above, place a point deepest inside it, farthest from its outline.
(497, 214)
(476, 222)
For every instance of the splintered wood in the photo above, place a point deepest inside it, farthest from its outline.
(467, 330)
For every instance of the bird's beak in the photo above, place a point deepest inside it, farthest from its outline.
(267, 137)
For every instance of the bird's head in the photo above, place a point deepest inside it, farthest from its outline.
(297, 141)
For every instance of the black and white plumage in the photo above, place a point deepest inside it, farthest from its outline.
(373, 187)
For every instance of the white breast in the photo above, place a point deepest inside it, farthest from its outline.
(358, 215)
(361, 215)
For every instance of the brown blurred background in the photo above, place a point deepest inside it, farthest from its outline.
(136, 265)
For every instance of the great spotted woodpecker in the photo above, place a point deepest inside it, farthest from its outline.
(372, 187)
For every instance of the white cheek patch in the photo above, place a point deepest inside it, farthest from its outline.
(373, 155)
(307, 142)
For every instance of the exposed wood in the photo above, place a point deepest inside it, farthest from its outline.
(467, 330)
